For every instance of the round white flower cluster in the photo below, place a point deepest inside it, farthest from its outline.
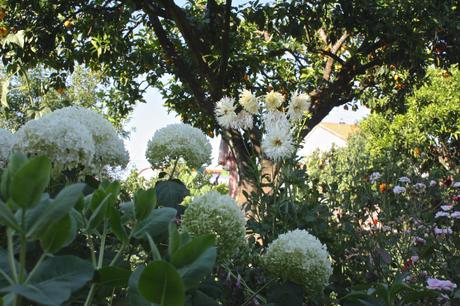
(301, 258)
(277, 142)
(178, 141)
(73, 138)
(217, 214)
(6, 144)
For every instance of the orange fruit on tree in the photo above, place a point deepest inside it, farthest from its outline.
(68, 23)
(2, 14)
(3, 31)
(60, 90)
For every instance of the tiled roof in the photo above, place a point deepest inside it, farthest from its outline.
(342, 130)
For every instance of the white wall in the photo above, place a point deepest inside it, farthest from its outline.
(321, 139)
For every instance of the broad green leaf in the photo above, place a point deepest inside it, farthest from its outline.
(286, 294)
(161, 284)
(201, 299)
(5, 267)
(114, 277)
(55, 280)
(117, 226)
(171, 193)
(16, 161)
(156, 223)
(99, 213)
(57, 235)
(134, 296)
(144, 202)
(30, 181)
(7, 217)
(195, 260)
(56, 209)
(174, 239)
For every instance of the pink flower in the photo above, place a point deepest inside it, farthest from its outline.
(442, 231)
(437, 284)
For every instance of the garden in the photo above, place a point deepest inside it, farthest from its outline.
(373, 222)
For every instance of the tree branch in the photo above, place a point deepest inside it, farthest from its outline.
(225, 45)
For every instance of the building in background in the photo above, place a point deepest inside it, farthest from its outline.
(325, 135)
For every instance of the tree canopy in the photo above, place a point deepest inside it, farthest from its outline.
(338, 51)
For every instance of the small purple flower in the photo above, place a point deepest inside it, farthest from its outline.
(455, 215)
(440, 214)
(442, 231)
(418, 240)
(446, 207)
(441, 285)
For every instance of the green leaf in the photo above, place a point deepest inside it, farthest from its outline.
(114, 277)
(134, 296)
(99, 213)
(117, 226)
(55, 280)
(161, 284)
(286, 294)
(30, 181)
(171, 193)
(201, 299)
(174, 239)
(195, 260)
(155, 224)
(5, 267)
(54, 210)
(57, 235)
(16, 161)
(7, 217)
(144, 202)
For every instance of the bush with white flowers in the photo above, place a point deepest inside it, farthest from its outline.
(73, 138)
(6, 143)
(301, 258)
(219, 215)
(178, 141)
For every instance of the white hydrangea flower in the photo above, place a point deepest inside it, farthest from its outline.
(110, 149)
(277, 144)
(298, 106)
(273, 100)
(219, 215)
(374, 177)
(301, 258)
(178, 141)
(225, 112)
(404, 179)
(74, 138)
(244, 121)
(399, 190)
(67, 143)
(249, 102)
(7, 140)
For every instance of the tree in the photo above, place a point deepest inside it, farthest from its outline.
(33, 93)
(337, 51)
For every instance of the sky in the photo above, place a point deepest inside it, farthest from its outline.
(152, 115)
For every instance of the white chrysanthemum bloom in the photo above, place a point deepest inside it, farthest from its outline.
(244, 121)
(276, 120)
(298, 106)
(6, 144)
(178, 141)
(67, 143)
(249, 102)
(399, 190)
(301, 258)
(225, 112)
(110, 149)
(277, 144)
(219, 215)
(74, 138)
(273, 100)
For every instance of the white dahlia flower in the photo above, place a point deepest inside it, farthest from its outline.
(273, 100)
(249, 102)
(6, 144)
(298, 106)
(178, 141)
(301, 258)
(225, 112)
(276, 120)
(277, 144)
(244, 121)
(219, 215)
